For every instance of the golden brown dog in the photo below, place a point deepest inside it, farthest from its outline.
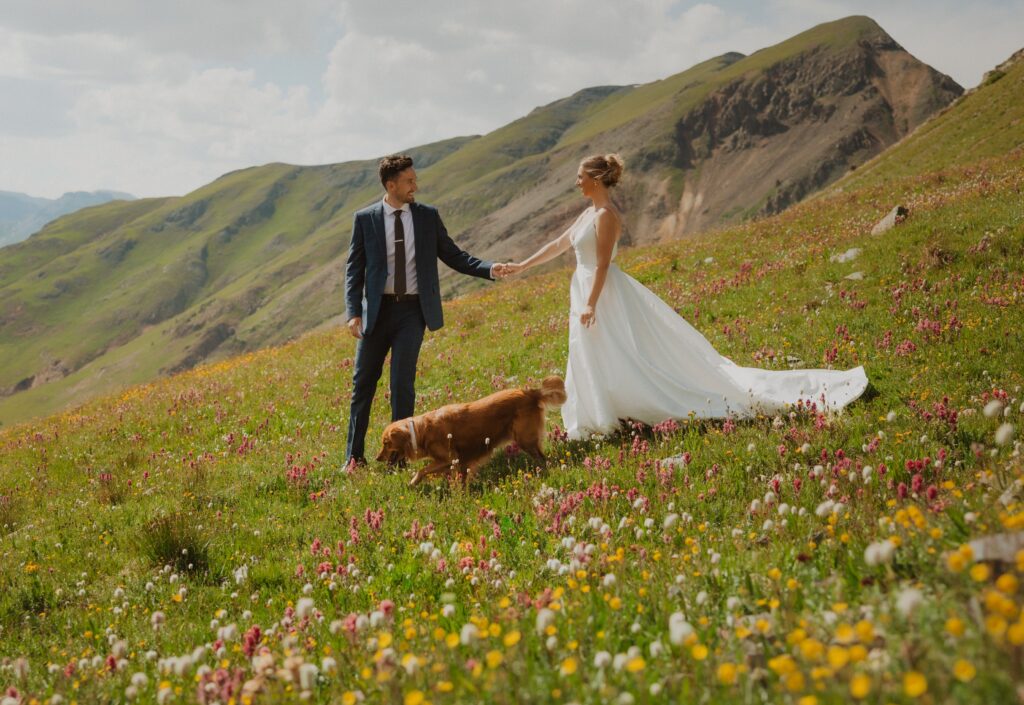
(461, 437)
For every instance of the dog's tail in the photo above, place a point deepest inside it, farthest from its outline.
(552, 391)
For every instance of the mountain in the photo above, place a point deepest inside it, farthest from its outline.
(193, 539)
(129, 291)
(22, 215)
(987, 123)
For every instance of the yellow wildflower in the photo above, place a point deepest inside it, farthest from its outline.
(964, 670)
(794, 681)
(980, 572)
(865, 631)
(845, 634)
(1007, 583)
(955, 626)
(860, 686)
(838, 657)
(812, 649)
(914, 684)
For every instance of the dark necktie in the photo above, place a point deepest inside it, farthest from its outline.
(399, 254)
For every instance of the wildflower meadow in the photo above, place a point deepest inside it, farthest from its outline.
(195, 540)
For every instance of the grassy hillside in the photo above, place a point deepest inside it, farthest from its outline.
(125, 293)
(193, 540)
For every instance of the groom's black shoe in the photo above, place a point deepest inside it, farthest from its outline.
(352, 464)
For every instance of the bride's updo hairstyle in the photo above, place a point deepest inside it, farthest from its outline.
(606, 168)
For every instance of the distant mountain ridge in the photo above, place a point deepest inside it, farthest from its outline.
(129, 291)
(21, 214)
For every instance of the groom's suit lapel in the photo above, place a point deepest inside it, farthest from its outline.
(377, 218)
(419, 235)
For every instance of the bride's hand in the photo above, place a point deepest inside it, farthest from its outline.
(588, 317)
(513, 268)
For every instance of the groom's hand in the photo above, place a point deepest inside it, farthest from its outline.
(500, 270)
(355, 327)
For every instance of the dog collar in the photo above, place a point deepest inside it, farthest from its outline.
(412, 434)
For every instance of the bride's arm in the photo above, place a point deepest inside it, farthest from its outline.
(608, 229)
(545, 254)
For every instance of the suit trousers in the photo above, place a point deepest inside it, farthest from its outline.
(399, 329)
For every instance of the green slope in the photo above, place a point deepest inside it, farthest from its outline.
(197, 531)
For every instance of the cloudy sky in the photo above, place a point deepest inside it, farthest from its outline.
(159, 98)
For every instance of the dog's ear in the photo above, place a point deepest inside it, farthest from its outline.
(402, 441)
(392, 441)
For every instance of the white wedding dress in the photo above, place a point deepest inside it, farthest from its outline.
(640, 360)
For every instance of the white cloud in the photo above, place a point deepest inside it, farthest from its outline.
(160, 98)
(205, 29)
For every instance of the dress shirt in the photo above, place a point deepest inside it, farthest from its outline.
(410, 247)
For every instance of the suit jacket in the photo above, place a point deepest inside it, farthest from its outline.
(367, 269)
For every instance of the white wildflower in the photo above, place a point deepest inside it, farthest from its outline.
(679, 630)
(879, 553)
(307, 676)
(545, 618)
(1004, 434)
(908, 601)
(304, 608)
(993, 409)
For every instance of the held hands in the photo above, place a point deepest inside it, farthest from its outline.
(355, 327)
(588, 317)
(500, 270)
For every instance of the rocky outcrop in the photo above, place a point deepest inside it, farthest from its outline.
(768, 139)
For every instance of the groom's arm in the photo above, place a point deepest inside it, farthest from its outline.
(355, 272)
(457, 258)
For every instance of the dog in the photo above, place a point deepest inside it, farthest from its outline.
(461, 437)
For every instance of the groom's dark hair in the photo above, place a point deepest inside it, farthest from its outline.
(392, 165)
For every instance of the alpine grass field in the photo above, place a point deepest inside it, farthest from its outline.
(193, 540)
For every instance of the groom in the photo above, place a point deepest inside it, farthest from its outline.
(392, 293)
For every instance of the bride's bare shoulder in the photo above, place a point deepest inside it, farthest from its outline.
(609, 215)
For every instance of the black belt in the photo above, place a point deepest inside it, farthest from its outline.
(399, 298)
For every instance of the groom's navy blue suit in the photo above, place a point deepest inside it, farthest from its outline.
(393, 325)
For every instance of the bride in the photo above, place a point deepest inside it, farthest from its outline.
(632, 357)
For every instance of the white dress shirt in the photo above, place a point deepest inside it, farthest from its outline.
(410, 247)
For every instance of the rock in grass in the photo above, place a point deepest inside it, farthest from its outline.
(896, 216)
(998, 547)
(851, 254)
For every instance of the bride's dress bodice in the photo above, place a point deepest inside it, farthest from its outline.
(584, 240)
